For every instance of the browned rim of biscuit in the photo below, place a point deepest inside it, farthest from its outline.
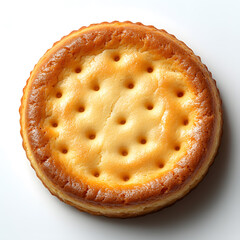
(110, 35)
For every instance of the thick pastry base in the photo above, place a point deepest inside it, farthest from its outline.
(132, 200)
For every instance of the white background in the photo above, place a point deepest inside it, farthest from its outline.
(28, 210)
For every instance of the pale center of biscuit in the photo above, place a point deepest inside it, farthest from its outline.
(120, 117)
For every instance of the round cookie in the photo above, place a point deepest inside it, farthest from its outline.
(120, 119)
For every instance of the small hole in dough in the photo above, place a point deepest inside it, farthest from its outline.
(78, 70)
(143, 141)
(150, 69)
(116, 58)
(180, 94)
(81, 109)
(91, 136)
(130, 86)
(122, 121)
(124, 152)
(54, 124)
(160, 165)
(177, 148)
(149, 106)
(59, 95)
(96, 88)
(64, 150)
(96, 174)
(126, 178)
(185, 122)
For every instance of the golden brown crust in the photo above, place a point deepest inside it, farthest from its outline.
(110, 35)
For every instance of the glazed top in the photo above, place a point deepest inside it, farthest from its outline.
(120, 113)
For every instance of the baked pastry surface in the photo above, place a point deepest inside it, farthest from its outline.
(120, 119)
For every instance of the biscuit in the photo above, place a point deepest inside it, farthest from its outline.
(120, 119)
